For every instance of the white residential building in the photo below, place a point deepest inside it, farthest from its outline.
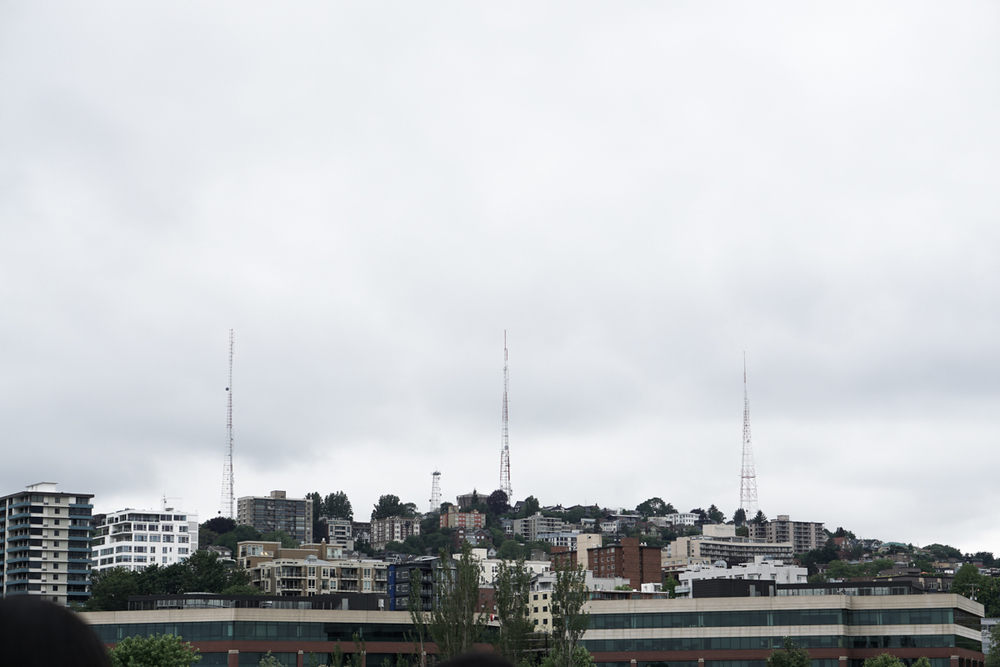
(488, 566)
(532, 526)
(135, 539)
(675, 519)
(561, 539)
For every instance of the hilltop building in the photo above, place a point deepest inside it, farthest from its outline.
(45, 543)
(720, 542)
(393, 529)
(803, 535)
(267, 514)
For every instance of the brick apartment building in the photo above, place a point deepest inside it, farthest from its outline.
(638, 564)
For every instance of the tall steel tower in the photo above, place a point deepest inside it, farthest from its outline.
(748, 478)
(435, 491)
(505, 447)
(228, 496)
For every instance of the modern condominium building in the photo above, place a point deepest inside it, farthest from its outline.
(45, 543)
(134, 539)
(277, 512)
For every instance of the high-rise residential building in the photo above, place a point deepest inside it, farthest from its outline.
(134, 539)
(277, 512)
(803, 535)
(45, 543)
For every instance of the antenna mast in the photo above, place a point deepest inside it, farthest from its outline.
(435, 491)
(228, 497)
(505, 448)
(748, 477)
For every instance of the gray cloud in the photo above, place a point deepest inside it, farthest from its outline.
(371, 196)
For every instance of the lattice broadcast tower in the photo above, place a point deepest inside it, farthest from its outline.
(748, 477)
(435, 491)
(228, 495)
(505, 444)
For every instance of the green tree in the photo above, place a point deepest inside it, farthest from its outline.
(110, 589)
(158, 650)
(967, 581)
(390, 505)
(498, 502)
(238, 534)
(986, 557)
(337, 506)
(531, 505)
(993, 655)
(269, 660)
(652, 507)
(454, 624)
(716, 515)
(941, 551)
(789, 655)
(760, 518)
(512, 586)
(922, 662)
(569, 621)
(220, 525)
(883, 660)
(287, 541)
(740, 517)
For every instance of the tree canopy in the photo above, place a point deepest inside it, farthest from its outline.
(740, 517)
(498, 502)
(390, 505)
(653, 507)
(202, 572)
(716, 515)
(884, 660)
(789, 655)
(159, 650)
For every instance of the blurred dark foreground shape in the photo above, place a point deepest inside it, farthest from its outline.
(476, 660)
(37, 633)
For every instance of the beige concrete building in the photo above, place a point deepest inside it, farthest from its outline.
(720, 542)
(803, 535)
(313, 569)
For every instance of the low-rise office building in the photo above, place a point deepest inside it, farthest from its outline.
(837, 630)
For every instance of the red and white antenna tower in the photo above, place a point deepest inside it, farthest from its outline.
(505, 446)
(228, 496)
(748, 477)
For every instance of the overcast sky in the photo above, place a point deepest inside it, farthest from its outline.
(371, 193)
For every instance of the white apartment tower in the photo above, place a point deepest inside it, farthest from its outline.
(135, 539)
